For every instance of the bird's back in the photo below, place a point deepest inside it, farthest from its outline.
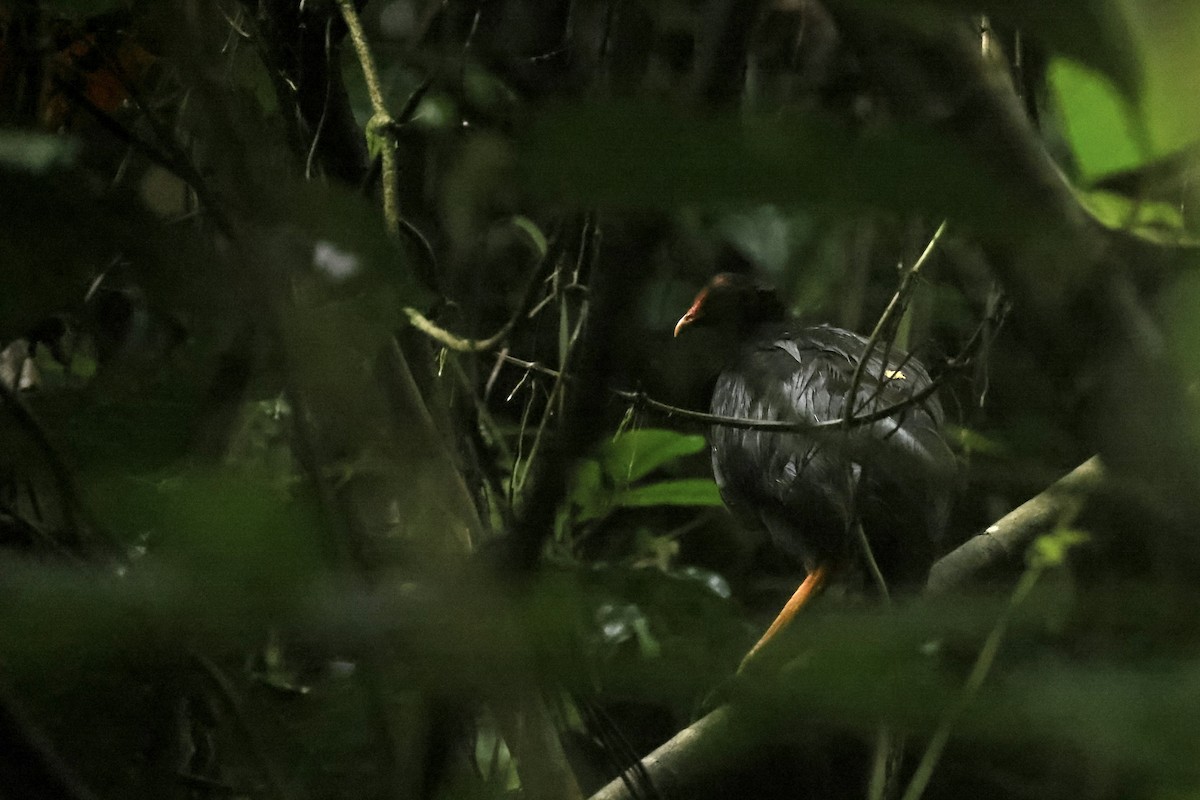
(805, 487)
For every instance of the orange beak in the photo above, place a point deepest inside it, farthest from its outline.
(685, 320)
(694, 313)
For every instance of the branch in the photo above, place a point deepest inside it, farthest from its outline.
(1003, 544)
(898, 302)
(782, 426)
(381, 122)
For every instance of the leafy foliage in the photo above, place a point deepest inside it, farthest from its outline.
(264, 464)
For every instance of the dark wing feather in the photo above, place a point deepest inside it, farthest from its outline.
(804, 487)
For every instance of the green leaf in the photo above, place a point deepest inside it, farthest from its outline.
(636, 453)
(1098, 121)
(973, 441)
(436, 111)
(1050, 550)
(235, 530)
(588, 492)
(682, 492)
(1157, 221)
(536, 238)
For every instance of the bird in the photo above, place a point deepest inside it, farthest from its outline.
(824, 486)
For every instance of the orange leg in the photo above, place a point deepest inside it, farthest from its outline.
(812, 584)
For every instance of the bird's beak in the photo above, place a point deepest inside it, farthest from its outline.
(685, 320)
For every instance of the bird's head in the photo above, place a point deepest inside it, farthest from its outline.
(733, 302)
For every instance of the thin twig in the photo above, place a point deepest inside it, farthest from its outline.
(898, 301)
(746, 423)
(781, 426)
(462, 344)
(956, 363)
(458, 343)
(555, 392)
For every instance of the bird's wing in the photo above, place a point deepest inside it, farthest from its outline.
(822, 362)
(804, 376)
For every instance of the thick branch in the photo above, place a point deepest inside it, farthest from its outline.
(1004, 543)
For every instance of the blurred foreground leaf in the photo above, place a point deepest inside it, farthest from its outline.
(36, 152)
(1135, 714)
(631, 156)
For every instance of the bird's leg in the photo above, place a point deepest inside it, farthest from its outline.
(813, 583)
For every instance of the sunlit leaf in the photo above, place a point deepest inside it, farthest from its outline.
(1098, 120)
(712, 581)
(1155, 220)
(1050, 550)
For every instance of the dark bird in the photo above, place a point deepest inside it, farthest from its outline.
(817, 489)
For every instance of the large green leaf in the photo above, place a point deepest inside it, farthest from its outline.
(604, 483)
(1098, 121)
(1108, 129)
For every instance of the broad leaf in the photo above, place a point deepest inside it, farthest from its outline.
(635, 454)
(683, 492)
(1099, 123)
